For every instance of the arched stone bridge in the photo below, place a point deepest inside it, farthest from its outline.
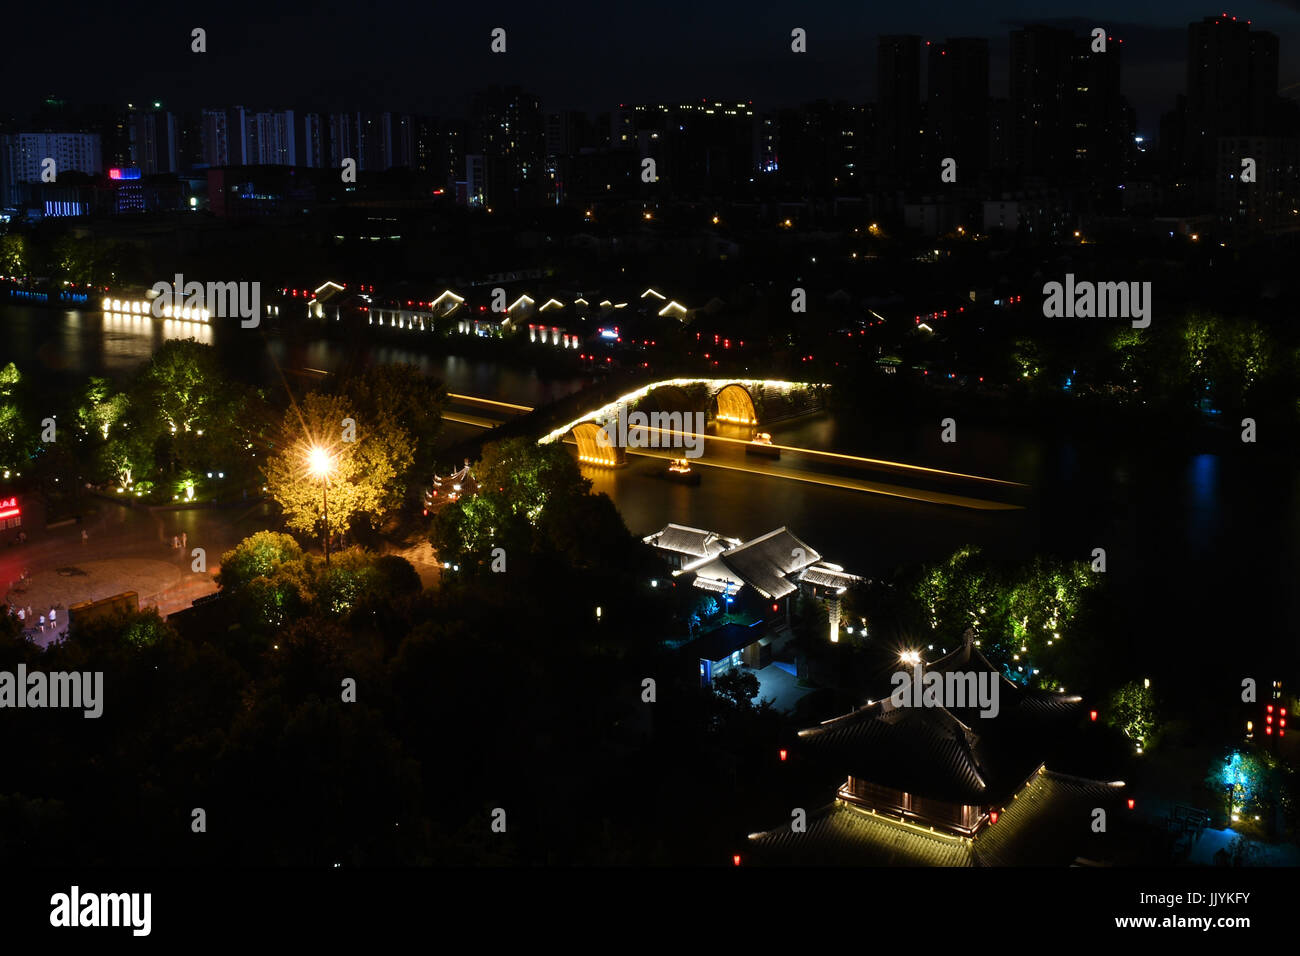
(742, 403)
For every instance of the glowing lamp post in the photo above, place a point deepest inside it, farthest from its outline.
(320, 465)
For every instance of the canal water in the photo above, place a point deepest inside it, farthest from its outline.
(1202, 546)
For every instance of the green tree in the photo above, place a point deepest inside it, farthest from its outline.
(129, 454)
(1255, 783)
(10, 379)
(14, 259)
(360, 471)
(404, 407)
(185, 407)
(1042, 599)
(184, 383)
(527, 495)
(1132, 711)
(1020, 615)
(17, 435)
(737, 687)
(99, 408)
(256, 556)
(1227, 358)
(961, 593)
(265, 580)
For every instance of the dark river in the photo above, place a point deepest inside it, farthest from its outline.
(1202, 547)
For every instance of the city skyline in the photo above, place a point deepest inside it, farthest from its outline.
(722, 55)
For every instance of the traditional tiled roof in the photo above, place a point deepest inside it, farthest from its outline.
(722, 642)
(954, 754)
(843, 835)
(715, 585)
(921, 750)
(1048, 823)
(1032, 710)
(765, 562)
(828, 577)
(773, 564)
(691, 541)
(964, 657)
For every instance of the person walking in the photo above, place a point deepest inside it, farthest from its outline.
(42, 623)
(176, 542)
(185, 540)
(22, 618)
(54, 617)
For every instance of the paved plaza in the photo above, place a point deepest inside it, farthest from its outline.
(778, 684)
(125, 549)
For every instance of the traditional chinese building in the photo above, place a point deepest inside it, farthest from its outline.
(768, 568)
(753, 579)
(939, 786)
(938, 766)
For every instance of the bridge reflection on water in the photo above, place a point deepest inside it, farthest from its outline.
(726, 440)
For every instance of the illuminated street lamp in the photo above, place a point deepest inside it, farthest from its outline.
(320, 464)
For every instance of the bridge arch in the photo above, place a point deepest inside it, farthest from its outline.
(670, 397)
(775, 397)
(596, 446)
(736, 405)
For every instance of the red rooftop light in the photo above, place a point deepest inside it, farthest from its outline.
(993, 816)
(1131, 803)
(784, 753)
(736, 860)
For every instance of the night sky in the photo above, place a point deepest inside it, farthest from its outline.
(426, 57)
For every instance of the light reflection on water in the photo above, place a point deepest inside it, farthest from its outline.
(78, 343)
(1204, 512)
(1186, 529)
